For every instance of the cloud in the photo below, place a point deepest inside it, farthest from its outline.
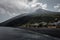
(16, 7)
(12, 8)
(44, 6)
(59, 10)
(35, 5)
(57, 7)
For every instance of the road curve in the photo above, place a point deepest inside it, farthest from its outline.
(9, 33)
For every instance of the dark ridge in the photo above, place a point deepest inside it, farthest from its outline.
(22, 19)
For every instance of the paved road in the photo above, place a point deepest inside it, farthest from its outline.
(55, 32)
(8, 33)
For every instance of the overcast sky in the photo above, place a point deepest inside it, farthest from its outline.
(11, 8)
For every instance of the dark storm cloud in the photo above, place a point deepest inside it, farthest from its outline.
(30, 0)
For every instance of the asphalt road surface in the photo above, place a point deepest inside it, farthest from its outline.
(55, 32)
(9, 33)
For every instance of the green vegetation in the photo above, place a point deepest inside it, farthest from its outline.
(42, 21)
